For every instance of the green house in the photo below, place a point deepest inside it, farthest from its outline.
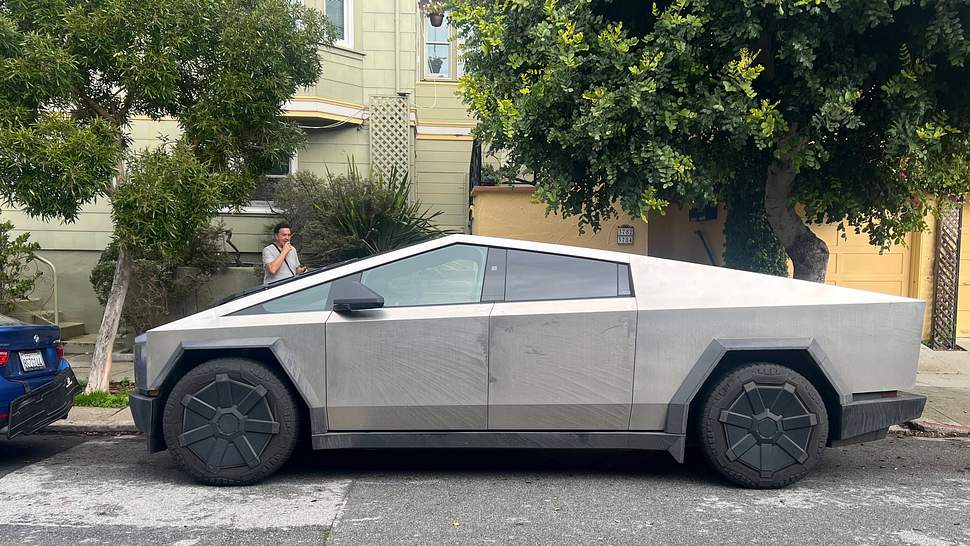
(387, 97)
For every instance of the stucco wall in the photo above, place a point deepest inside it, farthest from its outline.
(672, 235)
(508, 211)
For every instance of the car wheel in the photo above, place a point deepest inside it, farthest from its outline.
(763, 426)
(230, 422)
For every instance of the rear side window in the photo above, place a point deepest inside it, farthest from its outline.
(538, 276)
(306, 300)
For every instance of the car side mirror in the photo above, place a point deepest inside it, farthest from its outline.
(354, 296)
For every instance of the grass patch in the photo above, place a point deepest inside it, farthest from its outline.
(117, 397)
(102, 400)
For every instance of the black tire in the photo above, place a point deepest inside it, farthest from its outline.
(230, 422)
(763, 426)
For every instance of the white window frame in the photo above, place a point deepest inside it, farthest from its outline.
(262, 206)
(456, 67)
(348, 40)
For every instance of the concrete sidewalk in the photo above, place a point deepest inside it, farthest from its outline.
(943, 376)
(122, 367)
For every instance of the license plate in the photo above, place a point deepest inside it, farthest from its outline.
(32, 361)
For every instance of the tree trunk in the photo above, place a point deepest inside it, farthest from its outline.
(99, 378)
(808, 253)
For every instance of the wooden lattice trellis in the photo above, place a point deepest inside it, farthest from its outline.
(390, 135)
(946, 279)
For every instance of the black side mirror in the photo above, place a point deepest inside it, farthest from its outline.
(353, 296)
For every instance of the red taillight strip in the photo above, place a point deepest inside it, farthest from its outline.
(4, 415)
(4, 355)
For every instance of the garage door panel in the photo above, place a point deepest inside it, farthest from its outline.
(854, 263)
(893, 288)
(872, 264)
(963, 323)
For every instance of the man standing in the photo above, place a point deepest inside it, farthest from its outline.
(279, 259)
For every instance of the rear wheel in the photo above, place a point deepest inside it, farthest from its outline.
(763, 426)
(230, 422)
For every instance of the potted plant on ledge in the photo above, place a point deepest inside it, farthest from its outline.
(435, 10)
(434, 63)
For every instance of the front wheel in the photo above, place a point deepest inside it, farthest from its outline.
(763, 426)
(230, 422)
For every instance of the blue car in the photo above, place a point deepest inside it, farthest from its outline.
(37, 385)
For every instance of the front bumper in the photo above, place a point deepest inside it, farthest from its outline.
(866, 419)
(43, 405)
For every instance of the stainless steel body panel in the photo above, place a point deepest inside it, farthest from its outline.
(296, 339)
(871, 340)
(412, 368)
(561, 364)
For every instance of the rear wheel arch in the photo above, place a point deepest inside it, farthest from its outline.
(722, 357)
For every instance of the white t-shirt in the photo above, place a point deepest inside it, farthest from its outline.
(286, 270)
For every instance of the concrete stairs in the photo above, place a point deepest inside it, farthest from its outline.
(84, 344)
(29, 312)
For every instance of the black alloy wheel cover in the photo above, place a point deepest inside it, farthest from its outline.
(227, 423)
(768, 428)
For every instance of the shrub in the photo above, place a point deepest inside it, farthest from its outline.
(352, 216)
(16, 283)
(157, 286)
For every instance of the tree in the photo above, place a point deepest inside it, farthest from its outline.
(857, 106)
(76, 72)
(749, 242)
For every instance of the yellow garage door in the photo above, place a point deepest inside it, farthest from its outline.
(854, 263)
(963, 297)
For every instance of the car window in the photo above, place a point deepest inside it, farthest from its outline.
(538, 276)
(449, 275)
(306, 300)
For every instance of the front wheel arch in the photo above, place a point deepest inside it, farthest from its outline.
(189, 359)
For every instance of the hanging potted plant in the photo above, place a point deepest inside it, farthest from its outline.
(435, 11)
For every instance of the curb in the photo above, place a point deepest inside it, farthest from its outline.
(92, 427)
(925, 426)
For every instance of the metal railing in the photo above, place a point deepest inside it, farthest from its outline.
(57, 309)
(38, 313)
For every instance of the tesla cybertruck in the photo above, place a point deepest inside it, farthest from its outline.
(476, 342)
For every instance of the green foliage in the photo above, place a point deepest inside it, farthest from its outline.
(73, 75)
(352, 216)
(609, 102)
(168, 197)
(749, 242)
(102, 399)
(54, 165)
(15, 253)
(160, 283)
(433, 6)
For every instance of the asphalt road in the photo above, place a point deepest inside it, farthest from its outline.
(71, 489)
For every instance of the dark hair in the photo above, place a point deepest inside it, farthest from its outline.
(279, 226)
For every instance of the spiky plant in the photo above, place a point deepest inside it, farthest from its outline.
(351, 215)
